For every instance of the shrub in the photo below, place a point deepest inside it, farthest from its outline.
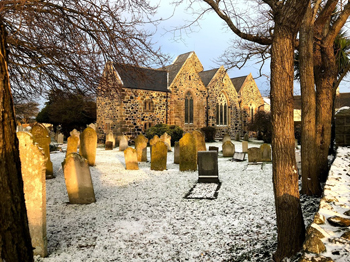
(246, 137)
(174, 131)
(209, 133)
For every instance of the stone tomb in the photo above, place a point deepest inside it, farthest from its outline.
(226, 137)
(109, 145)
(177, 153)
(78, 179)
(159, 156)
(130, 156)
(228, 149)
(141, 148)
(110, 137)
(41, 136)
(188, 153)
(208, 171)
(200, 140)
(265, 150)
(254, 154)
(245, 146)
(88, 145)
(123, 143)
(33, 164)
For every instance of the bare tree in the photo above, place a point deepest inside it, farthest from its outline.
(56, 44)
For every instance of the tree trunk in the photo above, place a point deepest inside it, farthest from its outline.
(310, 183)
(290, 223)
(15, 242)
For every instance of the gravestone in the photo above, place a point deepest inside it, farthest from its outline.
(159, 156)
(208, 171)
(226, 137)
(200, 140)
(177, 153)
(153, 141)
(141, 148)
(72, 144)
(228, 149)
(167, 140)
(109, 145)
(254, 154)
(88, 144)
(265, 150)
(214, 148)
(188, 153)
(41, 136)
(60, 138)
(123, 143)
(78, 179)
(75, 133)
(130, 156)
(33, 164)
(110, 137)
(93, 126)
(245, 146)
(238, 156)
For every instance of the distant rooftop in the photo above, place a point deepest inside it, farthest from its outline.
(238, 82)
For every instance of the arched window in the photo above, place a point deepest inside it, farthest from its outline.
(188, 108)
(222, 113)
(148, 105)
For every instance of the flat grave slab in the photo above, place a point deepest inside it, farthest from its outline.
(238, 156)
(207, 191)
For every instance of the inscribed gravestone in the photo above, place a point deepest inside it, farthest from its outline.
(208, 171)
(188, 153)
(60, 138)
(78, 179)
(123, 143)
(72, 144)
(41, 136)
(88, 144)
(33, 164)
(130, 156)
(254, 154)
(110, 137)
(228, 149)
(245, 146)
(226, 137)
(159, 156)
(167, 140)
(141, 148)
(176, 153)
(200, 140)
(265, 150)
(109, 145)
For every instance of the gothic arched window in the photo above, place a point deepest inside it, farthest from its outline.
(222, 112)
(188, 108)
(148, 105)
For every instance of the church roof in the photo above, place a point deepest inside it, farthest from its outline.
(176, 66)
(142, 78)
(238, 82)
(207, 76)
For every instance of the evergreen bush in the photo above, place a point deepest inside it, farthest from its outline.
(172, 130)
(209, 133)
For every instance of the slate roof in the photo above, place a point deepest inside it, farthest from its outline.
(175, 67)
(142, 78)
(207, 76)
(238, 82)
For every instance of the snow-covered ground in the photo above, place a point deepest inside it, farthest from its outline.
(143, 216)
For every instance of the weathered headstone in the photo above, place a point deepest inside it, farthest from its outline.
(265, 150)
(254, 154)
(72, 144)
(153, 141)
(110, 137)
(226, 137)
(177, 153)
(60, 138)
(93, 126)
(130, 156)
(188, 153)
(159, 156)
(88, 145)
(208, 171)
(245, 146)
(33, 164)
(214, 148)
(228, 149)
(167, 140)
(141, 148)
(200, 140)
(123, 143)
(109, 145)
(78, 179)
(41, 136)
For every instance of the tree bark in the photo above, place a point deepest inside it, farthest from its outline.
(15, 242)
(290, 223)
(310, 183)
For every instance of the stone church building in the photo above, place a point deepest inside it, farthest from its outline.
(132, 99)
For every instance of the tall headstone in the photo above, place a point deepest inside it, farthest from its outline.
(265, 150)
(153, 141)
(75, 133)
(228, 149)
(72, 144)
(41, 136)
(245, 146)
(200, 140)
(110, 137)
(159, 156)
(167, 140)
(226, 137)
(88, 145)
(60, 138)
(177, 153)
(188, 153)
(254, 154)
(208, 171)
(130, 156)
(123, 143)
(141, 148)
(78, 179)
(33, 165)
